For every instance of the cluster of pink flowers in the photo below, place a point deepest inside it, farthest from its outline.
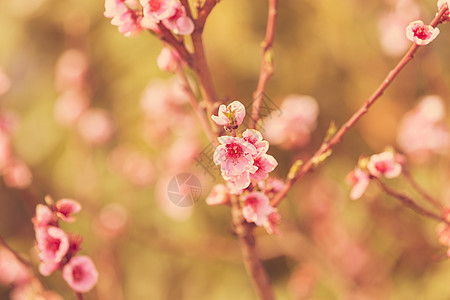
(57, 250)
(422, 131)
(387, 164)
(244, 160)
(132, 17)
(291, 126)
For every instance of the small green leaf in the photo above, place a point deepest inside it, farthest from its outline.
(294, 169)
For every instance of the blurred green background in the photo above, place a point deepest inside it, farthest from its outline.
(329, 248)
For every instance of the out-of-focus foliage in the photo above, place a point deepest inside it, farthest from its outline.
(330, 248)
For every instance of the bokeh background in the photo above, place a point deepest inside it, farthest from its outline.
(94, 119)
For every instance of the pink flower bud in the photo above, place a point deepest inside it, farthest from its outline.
(358, 180)
(44, 217)
(168, 60)
(230, 116)
(80, 273)
(257, 208)
(17, 175)
(384, 164)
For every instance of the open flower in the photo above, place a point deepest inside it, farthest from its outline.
(255, 138)
(420, 33)
(179, 22)
(257, 208)
(358, 180)
(80, 273)
(384, 164)
(234, 155)
(157, 10)
(126, 19)
(230, 116)
(65, 208)
(52, 242)
(265, 164)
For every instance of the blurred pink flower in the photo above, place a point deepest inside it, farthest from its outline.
(230, 116)
(218, 195)
(236, 183)
(257, 208)
(17, 175)
(422, 131)
(71, 70)
(46, 268)
(96, 126)
(420, 33)
(65, 208)
(80, 273)
(271, 186)
(358, 180)
(179, 22)
(168, 60)
(69, 106)
(112, 220)
(291, 126)
(234, 155)
(133, 165)
(5, 150)
(52, 242)
(384, 164)
(273, 220)
(265, 164)
(44, 217)
(12, 271)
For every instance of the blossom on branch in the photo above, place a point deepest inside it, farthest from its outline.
(80, 273)
(127, 20)
(230, 116)
(385, 164)
(420, 33)
(358, 180)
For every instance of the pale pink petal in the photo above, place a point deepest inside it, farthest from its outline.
(257, 208)
(44, 216)
(359, 180)
(52, 242)
(218, 195)
(80, 273)
(48, 267)
(65, 208)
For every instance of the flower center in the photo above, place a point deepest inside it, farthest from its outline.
(234, 151)
(155, 5)
(421, 32)
(382, 166)
(53, 244)
(77, 273)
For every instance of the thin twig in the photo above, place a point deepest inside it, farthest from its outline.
(198, 111)
(408, 202)
(203, 13)
(327, 145)
(266, 62)
(247, 243)
(167, 36)
(421, 191)
(79, 296)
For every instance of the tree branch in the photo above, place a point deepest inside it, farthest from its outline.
(247, 243)
(328, 144)
(266, 62)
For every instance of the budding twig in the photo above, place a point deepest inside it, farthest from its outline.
(337, 138)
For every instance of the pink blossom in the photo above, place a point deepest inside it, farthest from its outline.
(80, 273)
(271, 186)
(70, 70)
(291, 125)
(44, 217)
(5, 150)
(255, 138)
(265, 164)
(133, 165)
(230, 116)
(127, 20)
(237, 183)
(257, 208)
(157, 10)
(179, 22)
(358, 180)
(234, 155)
(384, 164)
(218, 195)
(52, 242)
(422, 131)
(112, 220)
(17, 175)
(168, 60)
(420, 33)
(12, 271)
(69, 106)
(65, 208)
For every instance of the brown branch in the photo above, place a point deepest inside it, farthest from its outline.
(247, 243)
(408, 202)
(167, 36)
(421, 191)
(198, 111)
(328, 144)
(203, 13)
(79, 296)
(266, 62)
(186, 5)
